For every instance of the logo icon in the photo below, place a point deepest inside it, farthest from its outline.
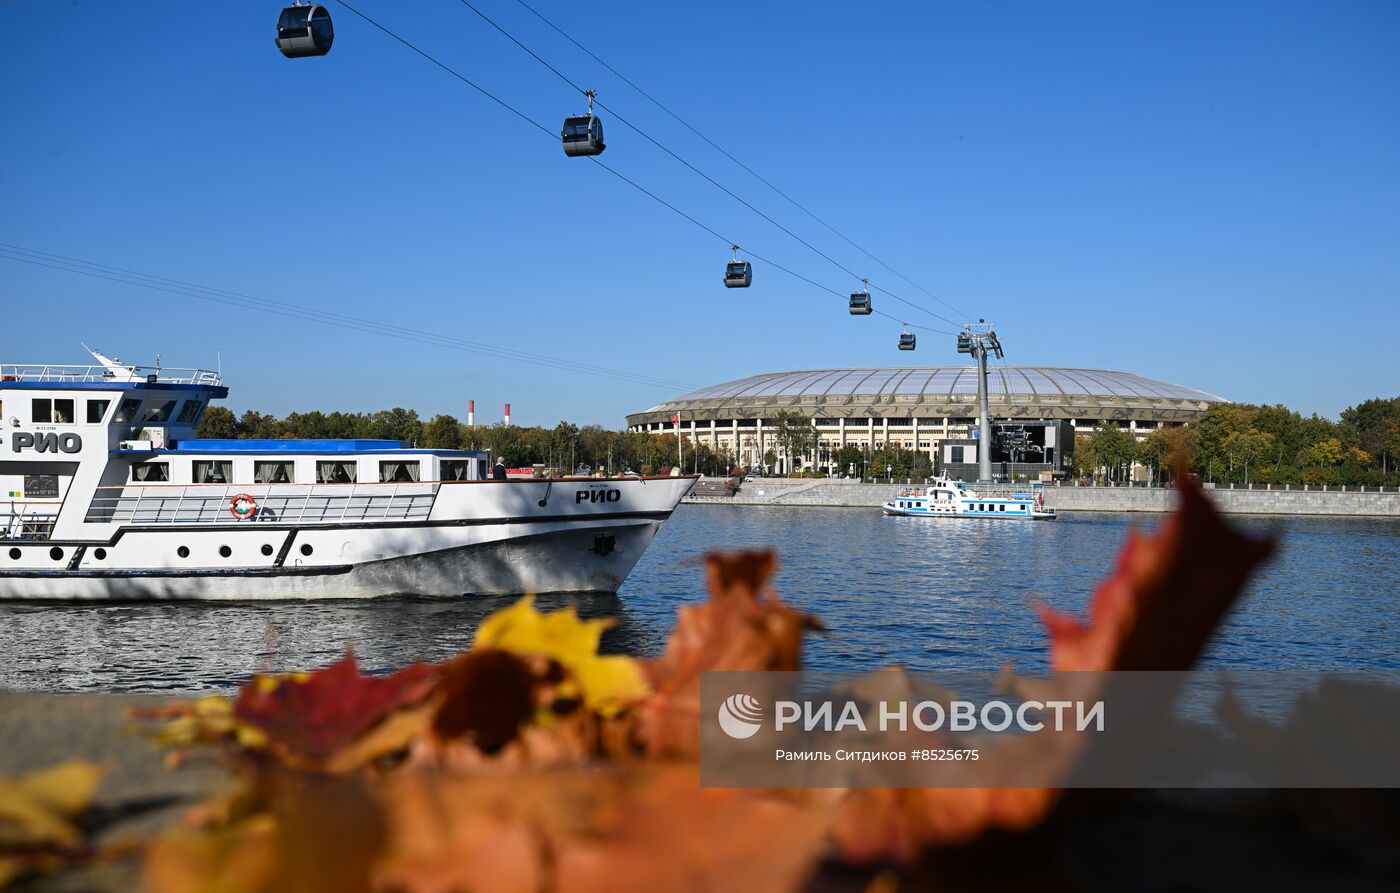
(741, 716)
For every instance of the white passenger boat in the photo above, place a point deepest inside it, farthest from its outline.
(943, 498)
(107, 494)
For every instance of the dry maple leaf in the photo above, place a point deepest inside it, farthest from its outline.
(294, 830)
(308, 720)
(744, 626)
(620, 828)
(37, 809)
(1166, 595)
(1156, 611)
(38, 813)
(486, 696)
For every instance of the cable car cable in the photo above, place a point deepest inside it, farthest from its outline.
(604, 165)
(475, 86)
(656, 102)
(726, 190)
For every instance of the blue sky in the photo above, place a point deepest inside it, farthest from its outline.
(1204, 193)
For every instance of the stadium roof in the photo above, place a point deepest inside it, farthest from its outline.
(1015, 391)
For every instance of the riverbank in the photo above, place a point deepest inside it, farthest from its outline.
(139, 795)
(1295, 500)
(1226, 839)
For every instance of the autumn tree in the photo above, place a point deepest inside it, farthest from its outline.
(1161, 449)
(1245, 446)
(1112, 449)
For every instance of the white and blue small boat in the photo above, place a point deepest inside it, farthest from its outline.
(943, 498)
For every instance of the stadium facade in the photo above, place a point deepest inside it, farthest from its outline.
(925, 408)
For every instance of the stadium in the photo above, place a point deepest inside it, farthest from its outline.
(933, 409)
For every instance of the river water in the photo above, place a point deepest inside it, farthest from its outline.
(927, 594)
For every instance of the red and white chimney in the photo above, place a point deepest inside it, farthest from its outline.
(471, 413)
(507, 415)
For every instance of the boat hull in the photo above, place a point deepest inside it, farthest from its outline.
(561, 557)
(1033, 515)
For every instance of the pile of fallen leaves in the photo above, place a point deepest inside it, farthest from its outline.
(532, 762)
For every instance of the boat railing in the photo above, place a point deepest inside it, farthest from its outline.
(1005, 492)
(286, 504)
(57, 374)
(19, 523)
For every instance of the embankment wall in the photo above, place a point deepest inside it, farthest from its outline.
(835, 493)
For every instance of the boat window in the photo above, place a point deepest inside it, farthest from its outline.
(96, 409)
(212, 472)
(63, 412)
(160, 412)
(42, 411)
(150, 472)
(273, 473)
(452, 470)
(337, 472)
(126, 411)
(189, 413)
(1002, 507)
(398, 472)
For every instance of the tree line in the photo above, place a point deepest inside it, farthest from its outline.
(565, 446)
(1247, 443)
(1229, 442)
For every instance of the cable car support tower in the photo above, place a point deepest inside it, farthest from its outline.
(977, 339)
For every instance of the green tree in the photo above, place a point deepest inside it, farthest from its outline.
(796, 436)
(443, 432)
(1374, 426)
(1113, 449)
(218, 423)
(848, 459)
(396, 424)
(256, 426)
(1245, 446)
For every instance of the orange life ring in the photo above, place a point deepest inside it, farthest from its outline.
(243, 506)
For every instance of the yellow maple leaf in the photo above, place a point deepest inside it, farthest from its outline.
(36, 809)
(205, 719)
(608, 684)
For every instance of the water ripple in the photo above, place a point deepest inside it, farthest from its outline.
(927, 594)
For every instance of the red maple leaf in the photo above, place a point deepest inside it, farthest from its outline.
(311, 720)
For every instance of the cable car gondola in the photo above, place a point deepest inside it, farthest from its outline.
(860, 301)
(583, 134)
(906, 339)
(737, 273)
(304, 30)
(964, 343)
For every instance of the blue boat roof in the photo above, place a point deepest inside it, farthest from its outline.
(288, 446)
